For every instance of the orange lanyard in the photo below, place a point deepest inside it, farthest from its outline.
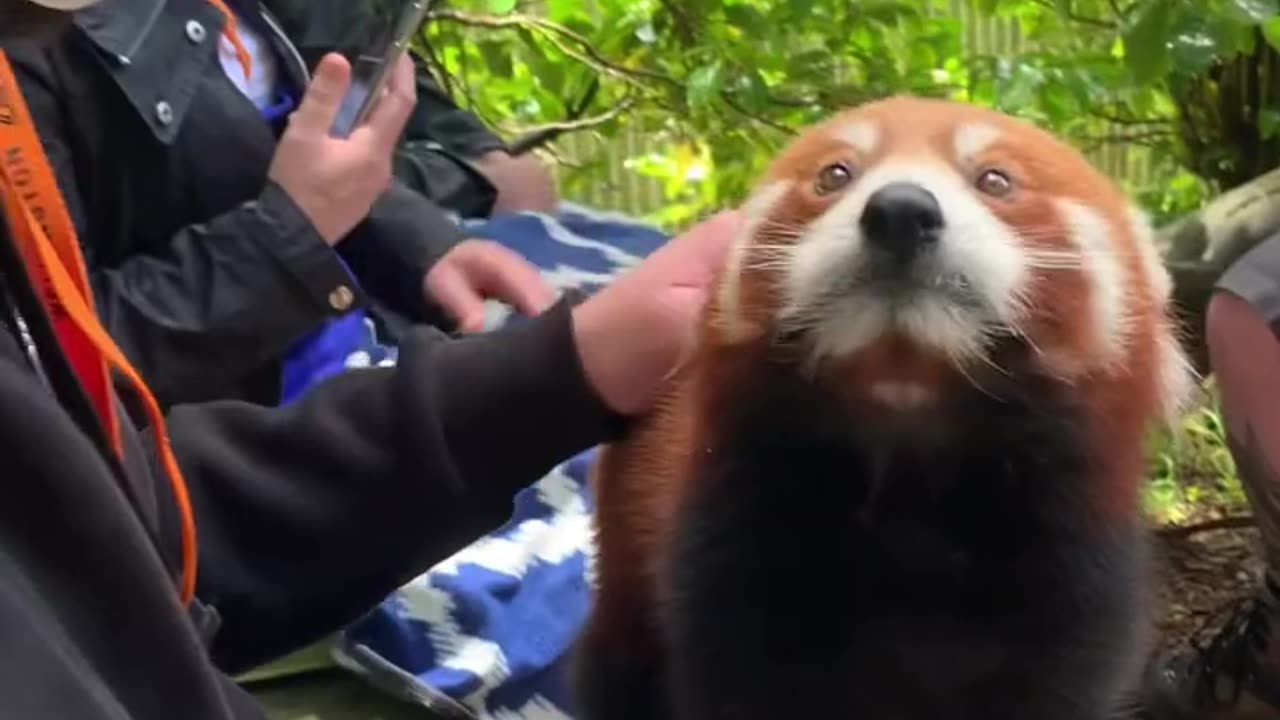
(47, 241)
(233, 35)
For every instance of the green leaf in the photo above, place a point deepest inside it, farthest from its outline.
(1193, 52)
(745, 17)
(498, 57)
(646, 34)
(1269, 122)
(502, 7)
(1257, 11)
(1271, 31)
(1146, 41)
(704, 84)
(561, 10)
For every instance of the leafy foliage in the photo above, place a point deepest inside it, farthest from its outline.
(718, 86)
(1194, 80)
(715, 86)
(1192, 473)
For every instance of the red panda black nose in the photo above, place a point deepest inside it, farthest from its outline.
(900, 221)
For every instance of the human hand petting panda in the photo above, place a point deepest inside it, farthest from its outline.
(632, 334)
(476, 270)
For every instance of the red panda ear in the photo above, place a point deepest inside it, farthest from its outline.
(1177, 377)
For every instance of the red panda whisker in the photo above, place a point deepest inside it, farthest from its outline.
(774, 222)
(986, 360)
(1022, 335)
(766, 266)
(959, 365)
(780, 231)
(1055, 266)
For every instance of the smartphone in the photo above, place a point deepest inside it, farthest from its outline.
(384, 36)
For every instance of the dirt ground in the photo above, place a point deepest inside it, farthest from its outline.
(1202, 576)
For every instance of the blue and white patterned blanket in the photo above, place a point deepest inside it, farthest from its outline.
(485, 634)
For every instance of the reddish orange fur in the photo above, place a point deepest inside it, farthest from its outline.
(641, 479)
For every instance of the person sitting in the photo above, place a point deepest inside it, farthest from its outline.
(215, 251)
(1236, 675)
(141, 565)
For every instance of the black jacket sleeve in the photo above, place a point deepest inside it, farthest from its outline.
(392, 250)
(225, 296)
(441, 141)
(436, 117)
(310, 514)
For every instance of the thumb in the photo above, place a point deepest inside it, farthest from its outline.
(320, 104)
(693, 258)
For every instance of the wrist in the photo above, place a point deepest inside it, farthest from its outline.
(590, 338)
(625, 356)
(315, 216)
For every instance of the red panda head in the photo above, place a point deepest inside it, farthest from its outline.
(907, 238)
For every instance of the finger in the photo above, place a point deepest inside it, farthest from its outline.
(449, 287)
(504, 275)
(324, 95)
(695, 257)
(391, 113)
(708, 242)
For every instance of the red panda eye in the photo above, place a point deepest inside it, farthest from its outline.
(833, 178)
(994, 183)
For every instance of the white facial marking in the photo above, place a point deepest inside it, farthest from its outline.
(1152, 265)
(1109, 301)
(1178, 379)
(970, 140)
(862, 136)
(974, 245)
(900, 395)
(754, 213)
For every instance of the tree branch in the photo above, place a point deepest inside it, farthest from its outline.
(685, 28)
(556, 34)
(1128, 120)
(1182, 532)
(771, 124)
(1137, 137)
(540, 135)
(1121, 13)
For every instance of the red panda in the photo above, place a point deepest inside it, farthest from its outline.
(899, 478)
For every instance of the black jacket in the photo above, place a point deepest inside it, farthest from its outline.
(307, 515)
(204, 277)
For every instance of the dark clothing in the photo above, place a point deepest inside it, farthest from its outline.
(205, 273)
(1255, 278)
(440, 137)
(307, 515)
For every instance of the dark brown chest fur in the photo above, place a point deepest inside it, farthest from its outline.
(824, 566)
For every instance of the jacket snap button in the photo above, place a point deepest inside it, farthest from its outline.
(164, 112)
(195, 31)
(341, 298)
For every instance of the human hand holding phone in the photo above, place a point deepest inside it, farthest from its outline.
(334, 181)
